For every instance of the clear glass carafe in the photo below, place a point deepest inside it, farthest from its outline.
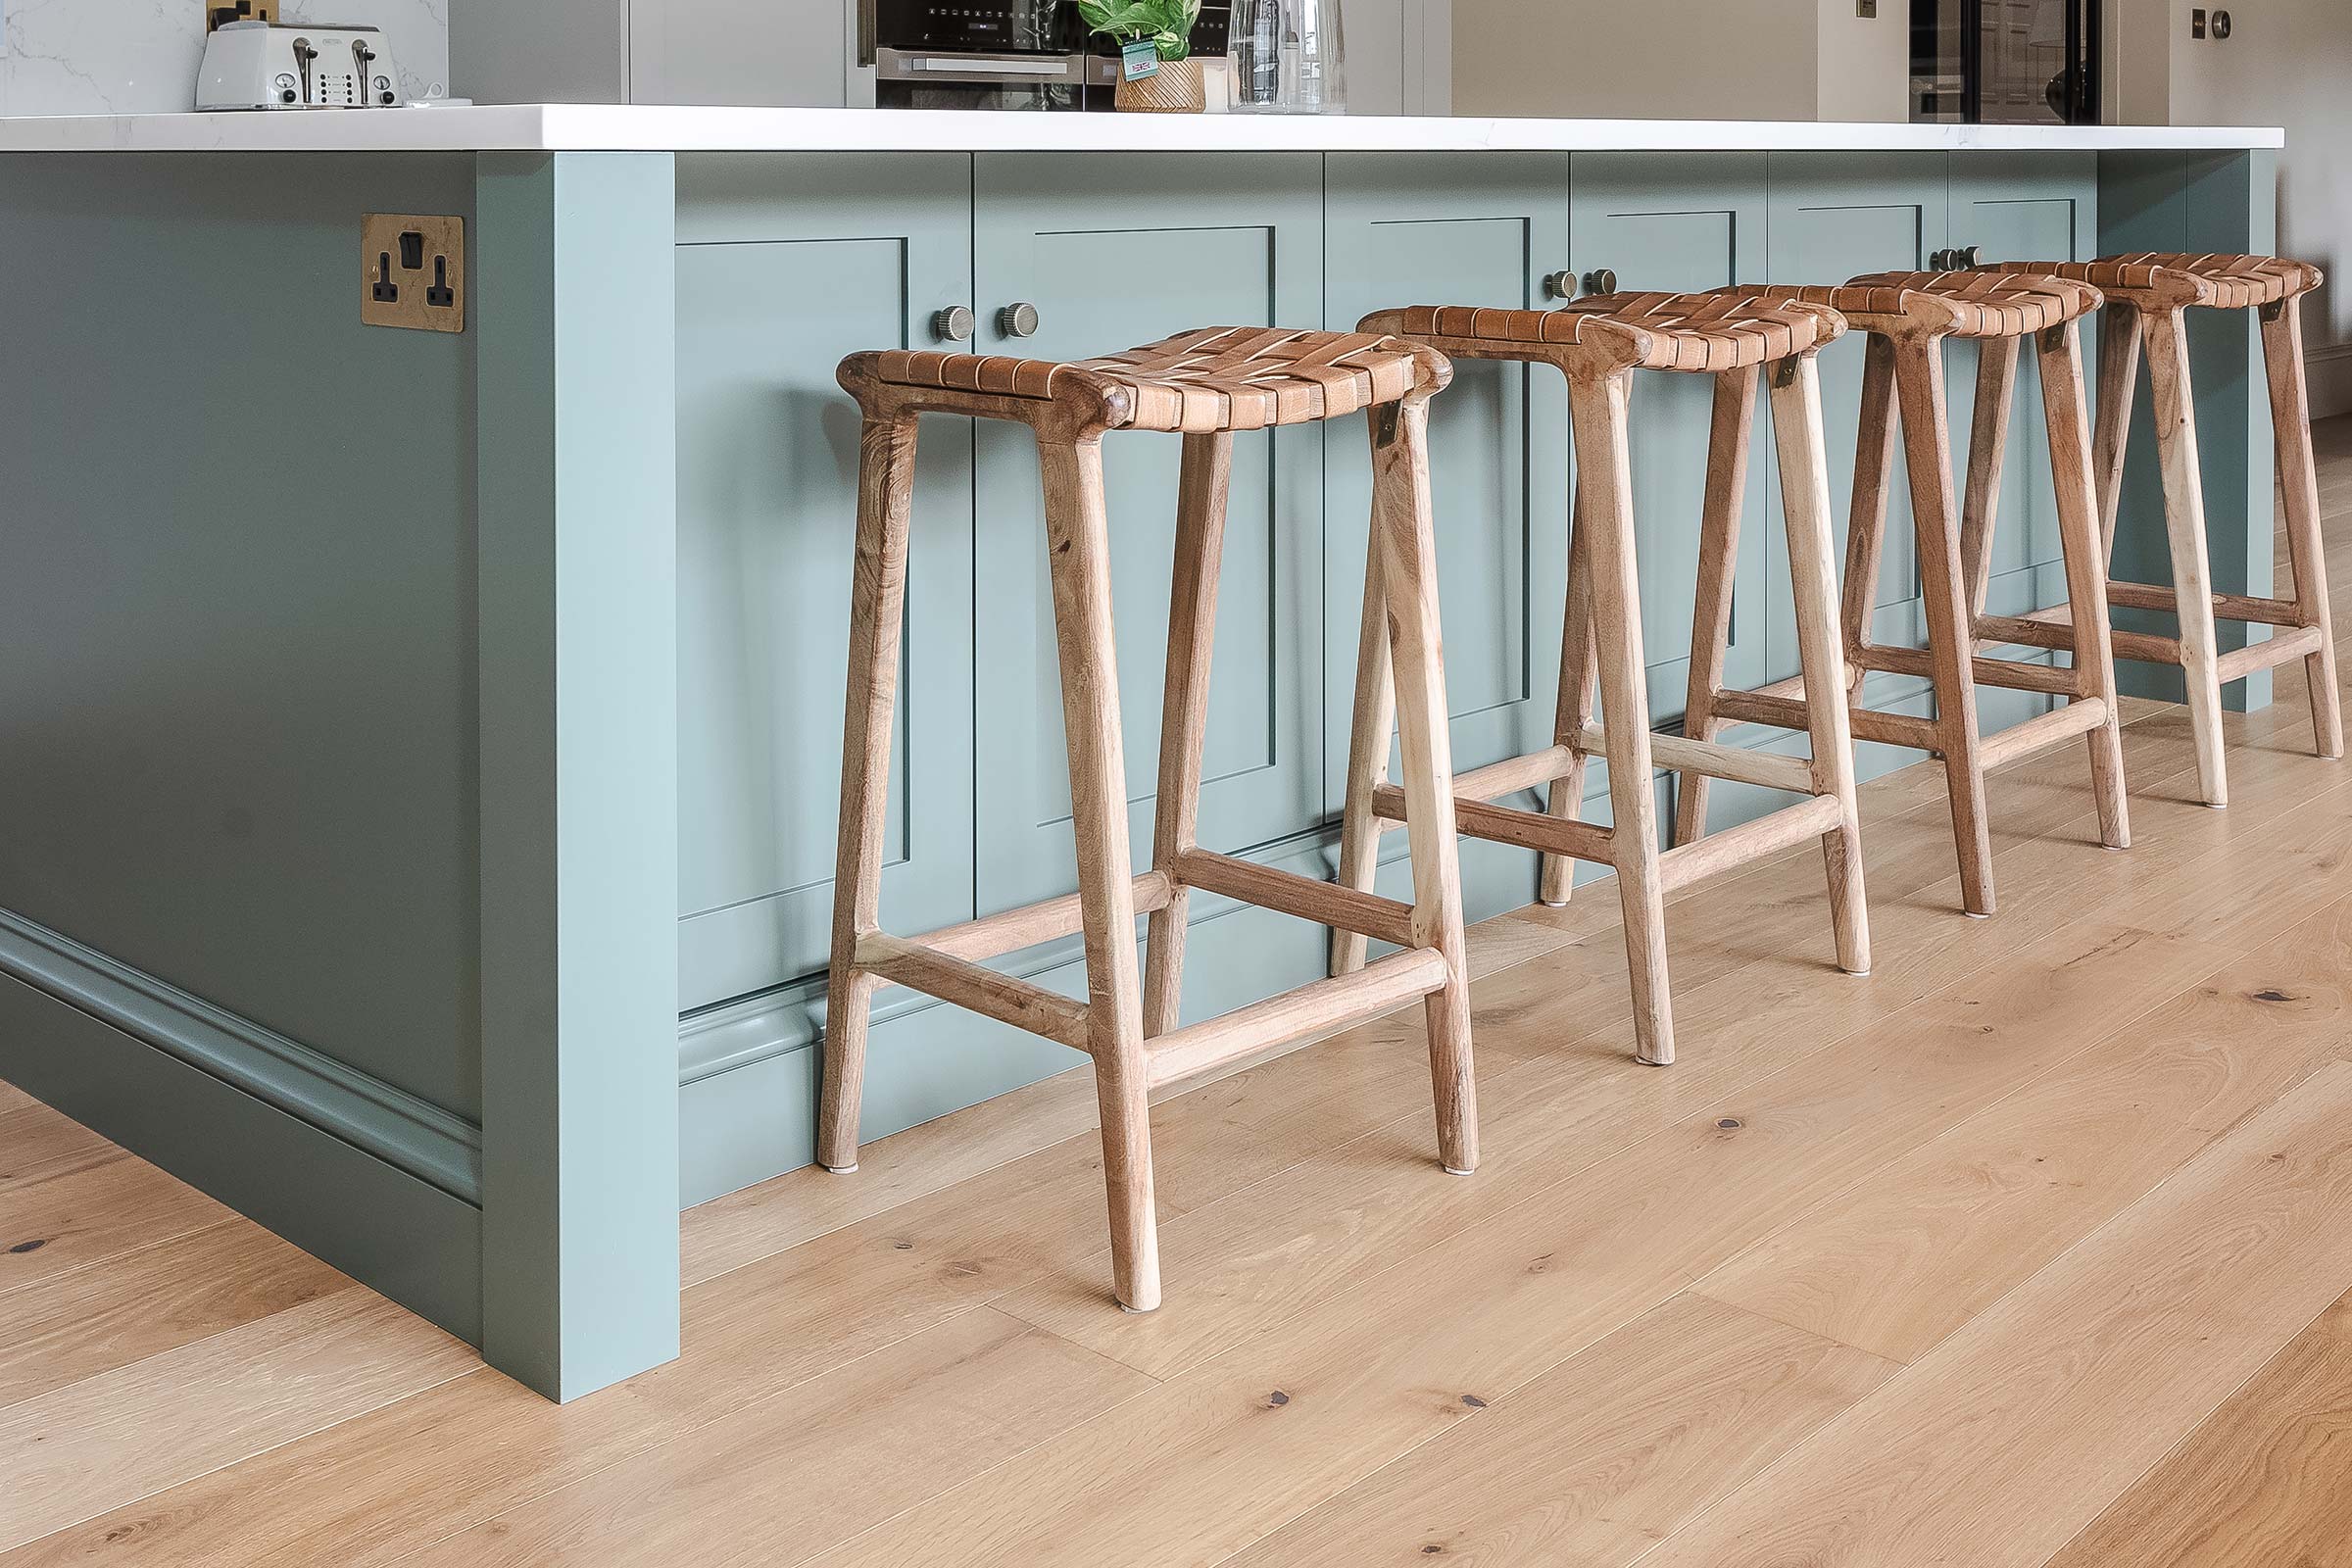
(1289, 57)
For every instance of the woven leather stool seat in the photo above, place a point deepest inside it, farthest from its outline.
(1723, 329)
(2176, 279)
(1985, 304)
(1217, 380)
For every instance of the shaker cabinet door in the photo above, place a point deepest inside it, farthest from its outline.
(1114, 252)
(1478, 229)
(1836, 216)
(768, 504)
(2022, 206)
(1681, 222)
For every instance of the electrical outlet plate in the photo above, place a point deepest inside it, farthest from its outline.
(413, 272)
(215, 12)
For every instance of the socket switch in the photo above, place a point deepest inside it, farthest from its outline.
(413, 272)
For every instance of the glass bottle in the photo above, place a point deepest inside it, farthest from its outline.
(1287, 56)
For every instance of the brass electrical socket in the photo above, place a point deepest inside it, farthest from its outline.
(216, 12)
(413, 272)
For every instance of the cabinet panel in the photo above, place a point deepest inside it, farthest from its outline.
(2016, 207)
(768, 470)
(1834, 216)
(1680, 222)
(1481, 230)
(1095, 247)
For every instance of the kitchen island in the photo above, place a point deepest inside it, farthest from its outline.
(423, 746)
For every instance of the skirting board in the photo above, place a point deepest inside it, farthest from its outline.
(388, 1229)
(2330, 372)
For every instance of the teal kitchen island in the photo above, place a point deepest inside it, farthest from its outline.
(421, 747)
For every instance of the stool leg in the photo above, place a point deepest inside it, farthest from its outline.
(1566, 800)
(1987, 445)
(1866, 522)
(1718, 562)
(2184, 529)
(2120, 333)
(2290, 414)
(1371, 730)
(1184, 709)
(877, 608)
(1927, 444)
(1604, 493)
(1804, 458)
(1408, 571)
(2059, 355)
(1078, 547)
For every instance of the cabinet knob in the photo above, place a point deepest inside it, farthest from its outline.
(952, 324)
(1017, 321)
(1602, 281)
(1559, 286)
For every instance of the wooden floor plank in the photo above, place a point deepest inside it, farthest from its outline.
(2015, 1432)
(1229, 1451)
(818, 1464)
(1954, 1225)
(1599, 1459)
(51, 1227)
(82, 1449)
(2266, 1482)
(142, 1303)
(37, 1143)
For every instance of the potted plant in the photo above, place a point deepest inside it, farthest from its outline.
(1158, 72)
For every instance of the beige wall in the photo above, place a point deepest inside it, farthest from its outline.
(1635, 59)
(1865, 62)
(2285, 63)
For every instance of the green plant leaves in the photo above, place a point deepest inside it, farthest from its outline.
(1168, 24)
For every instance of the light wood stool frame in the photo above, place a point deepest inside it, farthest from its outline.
(2148, 299)
(1909, 318)
(1204, 386)
(1610, 339)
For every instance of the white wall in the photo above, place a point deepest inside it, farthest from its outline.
(1681, 59)
(97, 57)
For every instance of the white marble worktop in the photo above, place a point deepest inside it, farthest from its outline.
(645, 128)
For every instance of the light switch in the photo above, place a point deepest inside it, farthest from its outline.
(2196, 23)
(1868, 9)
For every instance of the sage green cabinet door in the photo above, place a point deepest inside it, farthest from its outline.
(1116, 252)
(2022, 206)
(1458, 229)
(1680, 222)
(1836, 216)
(785, 267)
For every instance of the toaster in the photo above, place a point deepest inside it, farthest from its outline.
(275, 64)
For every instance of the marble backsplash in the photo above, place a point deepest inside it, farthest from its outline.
(120, 56)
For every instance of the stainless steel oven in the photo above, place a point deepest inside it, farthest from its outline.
(996, 54)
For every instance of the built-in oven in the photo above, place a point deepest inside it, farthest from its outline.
(996, 54)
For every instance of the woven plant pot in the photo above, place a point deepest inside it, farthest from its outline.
(1175, 88)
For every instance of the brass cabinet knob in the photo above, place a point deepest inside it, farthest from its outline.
(1603, 282)
(1017, 321)
(1559, 286)
(953, 325)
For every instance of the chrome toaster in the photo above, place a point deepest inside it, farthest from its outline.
(275, 64)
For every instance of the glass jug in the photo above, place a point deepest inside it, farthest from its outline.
(1287, 56)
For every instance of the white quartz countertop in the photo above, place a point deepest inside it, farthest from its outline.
(645, 128)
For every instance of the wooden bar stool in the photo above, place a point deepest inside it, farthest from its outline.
(1598, 343)
(2148, 298)
(1909, 316)
(1204, 386)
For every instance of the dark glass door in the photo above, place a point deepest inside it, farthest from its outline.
(2005, 61)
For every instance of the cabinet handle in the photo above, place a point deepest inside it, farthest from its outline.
(1559, 286)
(1017, 321)
(952, 324)
(1603, 282)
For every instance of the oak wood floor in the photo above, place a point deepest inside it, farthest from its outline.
(2035, 1246)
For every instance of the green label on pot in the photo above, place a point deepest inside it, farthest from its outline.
(1139, 58)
